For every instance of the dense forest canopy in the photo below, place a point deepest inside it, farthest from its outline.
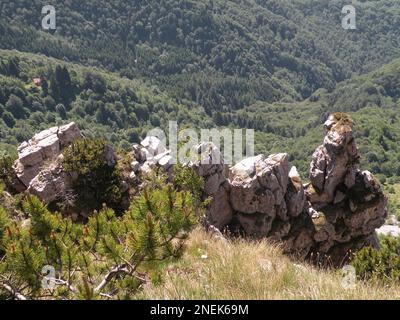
(279, 67)
(216, 52)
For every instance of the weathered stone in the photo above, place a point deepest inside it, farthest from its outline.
(258, 184)
(68, 134)
(50, 146)
(153, 145)
(219, 212)
(31, 156)
(351, 201)
(51, 184)
(37, 165)
(295, 196)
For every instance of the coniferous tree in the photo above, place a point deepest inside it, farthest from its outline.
(108, 257)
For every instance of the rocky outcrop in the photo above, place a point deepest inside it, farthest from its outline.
(38, 167)
(150, 153)
(350, 203)
(268, 200)
(210, 165)
(51, 183)
(261, 196)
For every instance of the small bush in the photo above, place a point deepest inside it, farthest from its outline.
(97, 182)
(383, 264)
(6, 162)
(108, 257)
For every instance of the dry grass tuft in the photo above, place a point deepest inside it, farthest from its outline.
(214, 269)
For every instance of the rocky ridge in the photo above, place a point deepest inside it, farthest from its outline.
(261, 196)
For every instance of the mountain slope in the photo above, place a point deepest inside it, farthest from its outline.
(129, 108)
(221, 54)
(371, 99)
(102, 104)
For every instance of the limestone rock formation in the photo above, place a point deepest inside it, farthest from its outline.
(350, 202)
(268, 200)
(261, 196)
(51, 183)
(210, 165)
(150, 153)
(38, 167)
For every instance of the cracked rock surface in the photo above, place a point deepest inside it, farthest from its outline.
(38, 167)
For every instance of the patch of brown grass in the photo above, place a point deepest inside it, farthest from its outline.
(240, 269)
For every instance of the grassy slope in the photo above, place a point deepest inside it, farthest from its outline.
(252, 270)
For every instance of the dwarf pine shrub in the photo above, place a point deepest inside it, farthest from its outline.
(96, 181)
(109, 257)
(6, 162)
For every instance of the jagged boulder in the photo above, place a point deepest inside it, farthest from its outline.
(268, 200)
(150, 153)
(52, 183)
(336, 161)
(258, 187)
(38, 167)
(349, 203)
(295, 196)
(210, 165)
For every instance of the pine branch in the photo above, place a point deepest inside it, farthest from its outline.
(67, 284)
(17, 295)
(110, 275)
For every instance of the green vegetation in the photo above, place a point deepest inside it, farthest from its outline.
(277, 66)
(120, 68)
(130, 108)
(6, 162)
(108, 257)
(98, 180)
(103, 105)
(381, 265)
(222, 54)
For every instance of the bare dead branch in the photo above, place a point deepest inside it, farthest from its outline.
(17, 295)
(111, 274)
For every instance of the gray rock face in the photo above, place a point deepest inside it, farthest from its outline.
(336, 161)
(259, 185)
(295, 196)
(210, 165)
(349, 202)
(149, 154)
(269, 201)
(51, 184)
(37, 168)
(261, 196)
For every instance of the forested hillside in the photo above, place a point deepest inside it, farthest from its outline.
(222, 54)
(279, 67)
(103, 104)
